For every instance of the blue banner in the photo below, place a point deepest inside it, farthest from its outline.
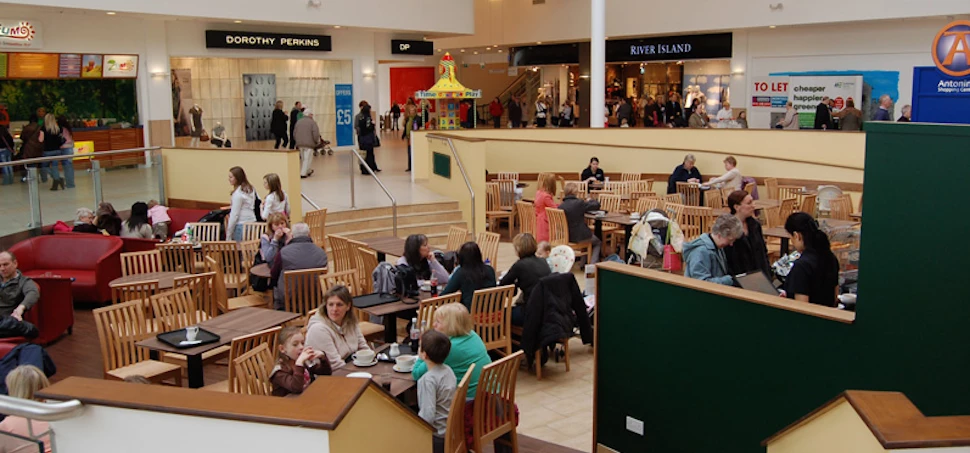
(940, 98)
(344, 100)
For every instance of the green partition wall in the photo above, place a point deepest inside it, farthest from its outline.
(708, 373)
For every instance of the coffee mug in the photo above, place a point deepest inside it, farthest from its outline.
(364, 356)
(191, 333)
(405, 361)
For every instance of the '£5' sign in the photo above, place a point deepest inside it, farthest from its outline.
(344, 117)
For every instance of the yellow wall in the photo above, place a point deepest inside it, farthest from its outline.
(376, 424)
(202, 174)
(838, 429)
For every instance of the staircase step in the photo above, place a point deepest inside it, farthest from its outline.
(355, 214)
(428, 229)
(387, 221)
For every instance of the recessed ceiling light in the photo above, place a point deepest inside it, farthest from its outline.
(500, 51)
(538, 42)
(237, 21)
(771, 26)
(439, 50)
(336, 26)
(111, 13)
(462, 50)
(476, 52)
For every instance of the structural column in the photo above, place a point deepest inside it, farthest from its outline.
(597, 63)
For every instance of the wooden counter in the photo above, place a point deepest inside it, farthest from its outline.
(107, 139)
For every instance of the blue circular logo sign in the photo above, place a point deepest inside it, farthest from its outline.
(951, 49)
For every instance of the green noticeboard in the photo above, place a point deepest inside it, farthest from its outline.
(442, 165)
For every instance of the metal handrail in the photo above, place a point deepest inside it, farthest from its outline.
(308, 200)
(37, 160)
(464, 175)
(36, 410)
(353, 201)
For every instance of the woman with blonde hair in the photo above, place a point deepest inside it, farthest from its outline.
(333, 329)
(53, 140)
(24, 382)
(547, 189)
(467, 347)
(276, 236)
(276, 200)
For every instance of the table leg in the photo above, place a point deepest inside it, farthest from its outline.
(626, 250)
(598, 228)
(196, 378)
(390, 328)
(784, 246)
(381, 256)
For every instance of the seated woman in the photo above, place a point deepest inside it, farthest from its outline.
(23, 382)
(417, 254)
(525, 273)
(108, 219)
(279, 234)
(84, 221)
(593, 172)
(731, 179)
(137, 225)
(467, 347)
(704, 258)
(544, 194)
(749, 253)
(471, 275)
(333, 329)
(576, 210)
(814, 277)
(685, 172)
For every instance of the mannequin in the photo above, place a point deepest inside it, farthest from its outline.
(196, 113)
(219, 138)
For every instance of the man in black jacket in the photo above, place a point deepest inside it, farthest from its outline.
(294, 117)
(576, 210)
(823, 116)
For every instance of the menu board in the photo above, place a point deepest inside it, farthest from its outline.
(70, 66)
(120, 66)
(33, 65)
(3, 65)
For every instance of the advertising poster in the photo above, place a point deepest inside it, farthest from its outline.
(807, 91)
(120, 66)
(768, 98)
(344, 100)
(81, 149)
(70, 66)
(91, 67)
(181, 101)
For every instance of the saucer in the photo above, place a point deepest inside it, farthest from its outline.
(364, 365)
(360, 374)
(402, 370)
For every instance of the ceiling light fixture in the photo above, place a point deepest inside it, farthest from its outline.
(476, 52)
(772, 26)
(237, 21)
(111, 13)
(439, 50)
(462, 50)
(500, 51)
(337, 26)
(538, 42)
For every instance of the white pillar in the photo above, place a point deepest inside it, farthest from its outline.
(563, 84)
(597, 63)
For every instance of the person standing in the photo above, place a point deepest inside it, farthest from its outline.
(6, 154)
(850, 118)
(242, 208)
(515, 112)
(823, 114)
(496, 110)
(366, 137)
(278, 125)
(52, 147)
(32, 136)
(883, 113)
(524, 117)
(624, 111)
(410, 116)
(306, 135)
(295, 115)
(907, 114)
(790, 121)
(566, 115)
(395, 116)
(726, 113)
(67, 149)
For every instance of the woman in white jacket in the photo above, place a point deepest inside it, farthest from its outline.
(243, 206)
(276, 200)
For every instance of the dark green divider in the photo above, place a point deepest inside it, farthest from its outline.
(708, 373)
(441, 165)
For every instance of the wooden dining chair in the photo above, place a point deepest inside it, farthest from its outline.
(674, 212)
(674, 198)
(235, 271)
(559, 233)
(841, 208)
(456, 237)
(175, 309)
(455, 440)
(795, 192)
(302, 290)
(494, 213)
(694, 221)
(808, 205)
(749, 187)
(641, 186)
(177, 257)
(507, 176)
(133, 291)
(627, 177)
(771, 187)
(488, 243)
(371, 331)
(492, 313)
(527, 217)
(205, 231)
(253, 231)
(645, 205)
(240, 346)
(221, 295)
(119, 328)
(317, 221)
(690, 192)
(427, 307)
(367, 260)
(494, 406)
(253, 371)
(343, 257)
(506, 194)
(786, 209)
(202, 287)
(714, 199)
(610, 203)
(135, 263)
(618, 188)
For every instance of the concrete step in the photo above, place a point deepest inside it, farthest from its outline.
(432, 230)
(387, 221)
(357, 214)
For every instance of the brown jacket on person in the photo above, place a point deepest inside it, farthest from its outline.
(33, 146)
(288, 378)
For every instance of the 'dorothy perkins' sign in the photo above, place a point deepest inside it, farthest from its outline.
(344, 103)
(221, 39)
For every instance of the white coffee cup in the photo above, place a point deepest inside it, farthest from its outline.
(606, 179)
(364, 356)
(405, 361)
(191, 333)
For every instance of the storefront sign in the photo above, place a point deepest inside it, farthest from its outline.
(807, 91)
(670, 48)
(951, 49)
(403, 47)
(940, 98)
(768, 98)
(344, 100)
(220, 39)
(120, 66)
(19, 33)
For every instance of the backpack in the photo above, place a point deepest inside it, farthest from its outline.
(447, 259)
(405, 281)
(256, 208)
(383, 276)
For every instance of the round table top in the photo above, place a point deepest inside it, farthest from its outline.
(261, 270)
(166, 280)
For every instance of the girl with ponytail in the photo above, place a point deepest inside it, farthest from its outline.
(815, 276)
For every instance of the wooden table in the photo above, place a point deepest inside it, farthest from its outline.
(236, 323)
(261, 270)
(388, 245)
(766, 203)
(401, 383)
(390, 310)
(166, 280)
(617, 218)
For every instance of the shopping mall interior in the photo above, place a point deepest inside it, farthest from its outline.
(482, 225)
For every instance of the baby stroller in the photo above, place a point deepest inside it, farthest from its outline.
(323, 148)
(649, 237)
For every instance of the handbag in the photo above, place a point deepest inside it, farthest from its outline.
(672, 259)
(377, 141)
(205, 136)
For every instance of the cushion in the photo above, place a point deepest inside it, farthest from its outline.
(70, 251)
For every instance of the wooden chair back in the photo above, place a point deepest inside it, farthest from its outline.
(772, 217)
(427, 307)
(771, 186)
(641, 185)
(808, 205)
(527, 217)
(488, 242)
(618, 188)
(749, 187)
(253, 371)
(690, 192)
(627, 177)
(241, 345)
(119, 327)
(674, 198)
(674, 212)
(252, 231)
(645, 205)
(220, 294)
(558, 227)
(343, 257)
(506, 189)
(175, 309)
(302, 290)
(494, 405)
(841, 207)
(456, 237)
(177, 257)
(134, 263)
(205, 231)
(787, 208)
(317, 220)
(133, 291)
(694, 221)
(234, 260)
(367, 259)
(493, 197)
(492, 313)
(455, 441)
(507, 176)
(786, 192)
(714, 199)
(203, 289)
(611, 203)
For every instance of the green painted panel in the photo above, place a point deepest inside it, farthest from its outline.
(442, 165)
(709, 373)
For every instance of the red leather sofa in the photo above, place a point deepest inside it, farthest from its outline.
(92, 261)
(181, 216)
(128, 244)
(53, 314)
